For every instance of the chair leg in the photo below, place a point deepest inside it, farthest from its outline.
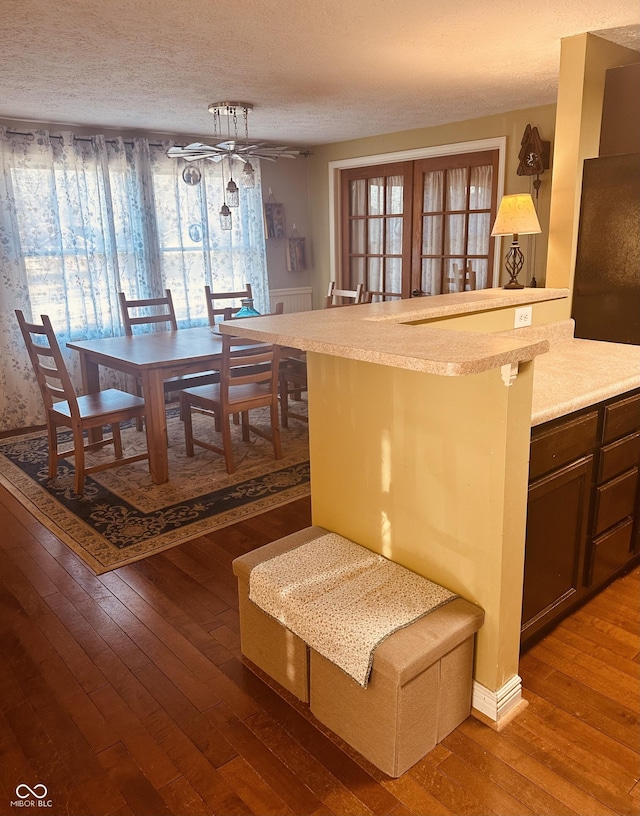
(245, 426)
(185, 413)
(275, 431)
(78, 445)
(227, 445)
(284, 402)
(52, 439)
(117, 439)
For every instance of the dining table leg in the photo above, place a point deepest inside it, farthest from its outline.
(156, 425)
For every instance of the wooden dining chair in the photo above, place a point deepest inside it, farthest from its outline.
(159, 311)
(214, 309)
(248, 380)
(343, 297)
(63, 409)
(292, 384)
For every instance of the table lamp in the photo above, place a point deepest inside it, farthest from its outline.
(516, 216)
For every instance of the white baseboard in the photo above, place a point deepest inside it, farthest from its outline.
(497, 706)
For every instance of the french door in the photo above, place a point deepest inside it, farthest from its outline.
(420, 227)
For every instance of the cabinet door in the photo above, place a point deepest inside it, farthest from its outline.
(557, 519)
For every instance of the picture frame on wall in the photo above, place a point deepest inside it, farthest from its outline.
(296, 254)
(274, 220)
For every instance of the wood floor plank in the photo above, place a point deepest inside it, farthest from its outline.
(182, 799)
(253, 790)
(126, 776)
(507, 777)
(581, 702)
(305, 766)
(47, 766)
(534, 767)
(266, 764)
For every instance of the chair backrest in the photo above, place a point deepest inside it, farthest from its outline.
(48, 363)
(246, 361)
(372, 296)
(131, 316)
(337, 297)
(214, 309)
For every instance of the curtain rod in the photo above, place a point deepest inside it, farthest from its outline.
(80, 138)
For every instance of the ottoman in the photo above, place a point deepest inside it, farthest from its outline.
(264, 641)
(419, 689)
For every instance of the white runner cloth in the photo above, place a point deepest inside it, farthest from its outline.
(342, 599)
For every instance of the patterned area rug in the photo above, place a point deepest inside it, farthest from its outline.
(124, 517)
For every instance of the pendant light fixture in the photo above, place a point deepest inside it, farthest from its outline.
(225, 212)
(234, 148)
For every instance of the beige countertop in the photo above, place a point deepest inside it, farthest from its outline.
(576, 373)
(569, 373)
(390, 333)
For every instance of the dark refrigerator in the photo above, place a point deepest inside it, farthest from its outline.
(606, 296)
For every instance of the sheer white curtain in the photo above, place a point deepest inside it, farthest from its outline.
(82, 219)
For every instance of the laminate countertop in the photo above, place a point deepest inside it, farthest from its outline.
(398, 333)
(576, 373)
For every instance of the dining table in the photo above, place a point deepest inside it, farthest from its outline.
(152, 358)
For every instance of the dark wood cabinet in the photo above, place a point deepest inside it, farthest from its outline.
(583, 516)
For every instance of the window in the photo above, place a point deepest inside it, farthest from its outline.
(420, 226)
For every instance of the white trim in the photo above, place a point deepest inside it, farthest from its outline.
(497, 704)
(498, 143)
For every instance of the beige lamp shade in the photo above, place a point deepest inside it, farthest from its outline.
(516, 216)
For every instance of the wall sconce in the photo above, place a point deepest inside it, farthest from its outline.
(516, 216)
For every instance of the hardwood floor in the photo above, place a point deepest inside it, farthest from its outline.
(126, 694)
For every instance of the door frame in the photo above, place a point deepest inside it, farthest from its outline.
(498, 143)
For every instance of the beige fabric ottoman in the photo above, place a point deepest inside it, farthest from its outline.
(264, 641)
(419, 689)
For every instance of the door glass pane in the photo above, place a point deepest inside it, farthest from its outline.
(357, 236)
(481, 268)
(454, 235)
(357, 271)
(454, 275)
(431, 235)
(432, 195)
(375, 236)
(478, 241)
(374, 275)
(393, 275)
(376, 196)
(394, 194)
(394, 236)
(480, 192)
(431, 277)
(357, 193)
(457, 188)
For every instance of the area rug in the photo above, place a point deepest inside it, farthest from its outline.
(123, 517)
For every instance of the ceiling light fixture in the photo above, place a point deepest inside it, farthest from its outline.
(232, 148)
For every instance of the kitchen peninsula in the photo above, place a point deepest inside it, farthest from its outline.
(420, 424)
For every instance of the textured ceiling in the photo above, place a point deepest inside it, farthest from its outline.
(316, 71)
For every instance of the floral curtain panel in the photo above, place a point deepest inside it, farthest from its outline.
(84, 218)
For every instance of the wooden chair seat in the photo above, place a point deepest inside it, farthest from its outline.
(248, 380)
(79, 413)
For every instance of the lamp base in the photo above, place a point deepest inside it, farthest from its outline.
(514, 262)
